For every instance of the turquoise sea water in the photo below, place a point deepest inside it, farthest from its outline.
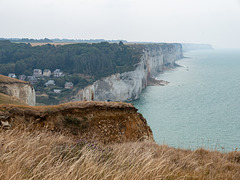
(201, 105)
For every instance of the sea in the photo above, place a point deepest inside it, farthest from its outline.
(200, 108)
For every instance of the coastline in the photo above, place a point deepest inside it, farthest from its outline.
(191, 111)
(128, 86)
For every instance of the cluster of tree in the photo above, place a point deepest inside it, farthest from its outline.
(27, 40)
(46, 40)
(98, 60)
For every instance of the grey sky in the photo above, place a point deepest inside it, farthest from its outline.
(215, 22)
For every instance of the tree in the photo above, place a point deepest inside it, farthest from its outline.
(20, 67)
(27, 73)
(60, 82)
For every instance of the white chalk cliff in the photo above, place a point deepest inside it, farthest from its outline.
(19, 89)
(127, 86)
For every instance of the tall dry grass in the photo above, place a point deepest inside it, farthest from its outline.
(43, 155)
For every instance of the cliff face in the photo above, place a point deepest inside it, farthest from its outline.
(128, 86)
(19, 89)
(107, 122)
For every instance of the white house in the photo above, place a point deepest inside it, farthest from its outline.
(50, 83)
(12, 75)
(58, 91)
(37, 72)
(58, 73)
(68, 85)
(47, 72)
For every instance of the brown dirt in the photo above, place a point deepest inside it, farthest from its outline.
(107, 122)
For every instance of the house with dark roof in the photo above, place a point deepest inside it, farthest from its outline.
(32, 79)
(58, 73)
(22, 77)
(37, 72)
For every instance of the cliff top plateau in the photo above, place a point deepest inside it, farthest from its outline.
(106, 122)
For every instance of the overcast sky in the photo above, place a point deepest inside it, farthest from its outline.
(216, 22)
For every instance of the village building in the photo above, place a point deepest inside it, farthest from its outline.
(32, 79)
(47, 72)
(22, 77)
(12, 75)
(37, 72)
(50, 83)
(68, 85)
(58, 91)
(58, 73)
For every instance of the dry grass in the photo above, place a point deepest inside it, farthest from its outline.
(5, 99)
(43, 155)
(78, 104)
(6, 79)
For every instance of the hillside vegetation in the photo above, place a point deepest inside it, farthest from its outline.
(43, 155)
(98, 60)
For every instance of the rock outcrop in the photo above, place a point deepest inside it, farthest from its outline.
(19, 89)
(128, 86)
(107, 122)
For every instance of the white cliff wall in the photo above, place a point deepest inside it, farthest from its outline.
(23, 91)
(128, 86)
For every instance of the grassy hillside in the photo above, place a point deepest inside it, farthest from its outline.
(5, 99)
(48, 153)
(96, 59)
(42, 155)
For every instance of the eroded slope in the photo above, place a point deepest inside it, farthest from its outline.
(106, 122)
